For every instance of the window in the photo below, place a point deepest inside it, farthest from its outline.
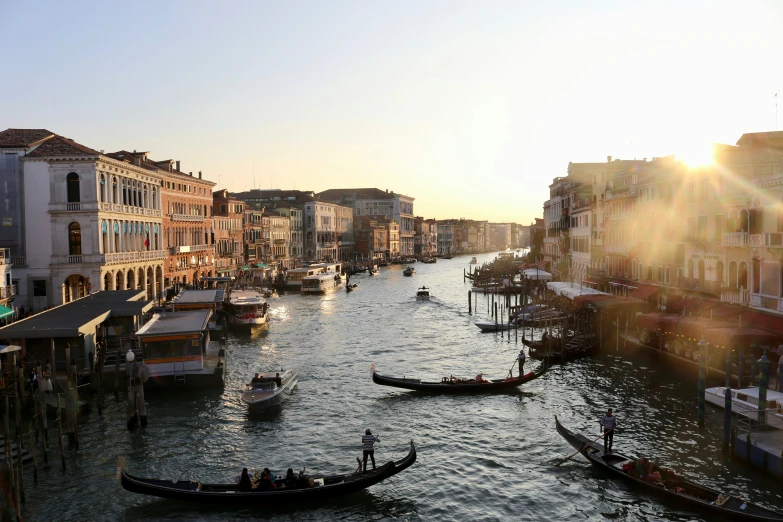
(222, 208)
(39, 287)
(666, 275)
(74, 239)
(72, 183)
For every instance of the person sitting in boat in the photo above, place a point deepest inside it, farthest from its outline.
(266, 480)
(278, 380)
(257, 379)
(545, 338)
(480, 378)
(244, 481)
(271, 475)
(290, 479)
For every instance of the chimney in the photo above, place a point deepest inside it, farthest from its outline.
(199, 174)
(177, 165)
(608, 159)
(190, 173)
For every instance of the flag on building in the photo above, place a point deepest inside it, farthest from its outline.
(147, 241)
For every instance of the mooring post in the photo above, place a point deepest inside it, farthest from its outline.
(702, 378)
(9, 460)
(495, 314)
(20, 378)
(763, 385)
(60, 430)
(726, 418)
(130, 368)
(32, 453)
(780, 375)
(19, 446)
(754, 375)
(470, 303)
(740, 368)
(728, 367)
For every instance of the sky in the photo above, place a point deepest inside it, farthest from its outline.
(471, 107)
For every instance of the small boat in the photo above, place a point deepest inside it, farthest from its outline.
(430, 260)
(474, 261)
(409, 271)
(324, 487)
(423, 294)
(268, 292)
(247, 309)
(269, 389)
(351, 288)
(673, 487)
(745, 402)
(575, 347)
(491, 326)
(373, 270)
(454, 385)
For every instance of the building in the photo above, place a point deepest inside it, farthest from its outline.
(86, 221)
(500, 236)
(426, 237)
(328, 231)
(446, 235)
(228, 233)
(186, 202)
(378, 203)
(371, 239)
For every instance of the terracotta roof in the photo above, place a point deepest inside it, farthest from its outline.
(23, 138)
(59, 146)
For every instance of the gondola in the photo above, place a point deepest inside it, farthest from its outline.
(352, 287)
(673, 487)
(325, 487)
(446, 385)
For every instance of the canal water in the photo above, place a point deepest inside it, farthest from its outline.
(483, 457)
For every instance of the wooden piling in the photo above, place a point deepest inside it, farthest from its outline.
(60, 430)
(32, 453)
(470, 302)
(20, 376)
(117, 374)
(19, 446)
(9, 461)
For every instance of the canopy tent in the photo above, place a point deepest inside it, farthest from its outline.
(740, 337)
(9, 348)
(5, 312)
(572, 290)
(537, 274)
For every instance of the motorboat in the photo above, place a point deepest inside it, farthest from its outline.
(473, 261)
(268, 292)
(269, 389)
(430, 260)
(373, 270)
(409, 271)
(352, 287)
(745, 402)
(423, 294)
(492, 326)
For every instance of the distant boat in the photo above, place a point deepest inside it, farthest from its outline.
(745, 402)
(473, 261)
(351, 288)
(423, 294)
(409, 271)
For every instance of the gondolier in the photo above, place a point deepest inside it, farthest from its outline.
(521, 360)
(368, 440)
(608, 423)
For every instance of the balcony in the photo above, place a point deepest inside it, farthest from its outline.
(74, 260)
(130, 257)
(5, 256)
(279, 241)
(127, 209)
(697, 285)
(185, 249)
(187, 217)
(18, 260)
(772, 240)
(71, 207)
(739, 296)
(7, 292)
(735, 239)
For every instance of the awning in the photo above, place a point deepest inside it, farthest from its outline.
(758, 319)
(607, 302)
(572, 290)
(652, 321)
(9, 348)
(261, 265)
(537, 274)
(692, 328)
(5, 312)
(644, 291)
(740, 337)
(246, 267)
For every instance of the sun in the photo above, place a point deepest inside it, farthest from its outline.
(697, 155)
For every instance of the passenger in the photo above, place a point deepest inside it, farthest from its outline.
(303, 479)
(480, 378)
(290, 479)
(278, 380)
(244, 481)
(271, 475)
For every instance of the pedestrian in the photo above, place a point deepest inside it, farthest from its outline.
(608, 423)
(521, 360)
(369, 450)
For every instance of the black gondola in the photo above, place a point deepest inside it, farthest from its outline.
(323, 488)
(673, 486)
(551, 350)
(447, 385)
(352, 287)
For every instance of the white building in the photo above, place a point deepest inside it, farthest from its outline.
(326, 226)
(89, 222)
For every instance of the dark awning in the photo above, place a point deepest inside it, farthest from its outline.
(740, 337)
(644, 291)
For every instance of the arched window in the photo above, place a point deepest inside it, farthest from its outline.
(72, 182)
(114, 193)
(719, 273)
(102, 188)
(742, 275)
(74, 239)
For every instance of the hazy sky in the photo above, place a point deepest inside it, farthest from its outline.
(470, 107)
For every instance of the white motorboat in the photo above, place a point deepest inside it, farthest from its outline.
(492, 326)
(247, 308)
(745, 401)
(423, 294)
(269, 389)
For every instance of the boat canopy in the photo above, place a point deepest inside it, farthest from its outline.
(571, 290)
(537, 274)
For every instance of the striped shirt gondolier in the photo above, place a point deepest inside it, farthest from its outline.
(368, 441)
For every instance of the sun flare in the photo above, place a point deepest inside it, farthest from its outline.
(697, 155)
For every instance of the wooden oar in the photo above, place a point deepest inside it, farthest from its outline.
(580, 450)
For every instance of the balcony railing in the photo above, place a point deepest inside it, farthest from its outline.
(74, 260)
(127, 209)
(127, 257)
(187, 217)
(773, 240)
(705, 287)
(735, 239)
(7, 292)
(5, 256)
(279, 241)
(740, 296)
(184, 249)
(73, 206)
(18, 260)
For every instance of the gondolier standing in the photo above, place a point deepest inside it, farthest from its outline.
(367, 443)
(521, 360)
(608, 423)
